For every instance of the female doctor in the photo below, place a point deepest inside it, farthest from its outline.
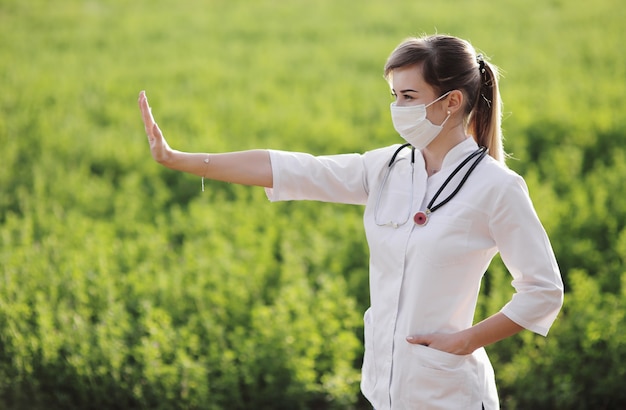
(437, 210)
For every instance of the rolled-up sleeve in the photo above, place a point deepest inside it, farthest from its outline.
(334, 178)
(526, 251)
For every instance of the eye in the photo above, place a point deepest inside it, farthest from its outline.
(394, 95)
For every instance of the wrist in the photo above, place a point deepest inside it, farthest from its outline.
(167, 157)
(470, 340)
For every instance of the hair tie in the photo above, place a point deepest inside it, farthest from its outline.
(481, 63)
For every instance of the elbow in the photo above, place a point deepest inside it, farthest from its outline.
(556, 297)
(552, 297)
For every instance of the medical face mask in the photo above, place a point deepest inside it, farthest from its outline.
(411, 123)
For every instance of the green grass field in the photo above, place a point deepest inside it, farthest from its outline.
(122, 285)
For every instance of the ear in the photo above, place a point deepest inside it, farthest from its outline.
(455, 101)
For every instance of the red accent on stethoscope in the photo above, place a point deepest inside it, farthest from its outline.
(420, 218)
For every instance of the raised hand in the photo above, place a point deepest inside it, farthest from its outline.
(251, 167)
(159, 148)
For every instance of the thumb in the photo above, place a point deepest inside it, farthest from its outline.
(418, 340)
(156, 130)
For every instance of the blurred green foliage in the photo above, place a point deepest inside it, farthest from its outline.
(124, 286)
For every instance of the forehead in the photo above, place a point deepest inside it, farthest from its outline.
(409, 78)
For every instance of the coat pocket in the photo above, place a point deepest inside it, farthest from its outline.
(438, 380)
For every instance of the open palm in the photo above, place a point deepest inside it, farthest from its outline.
(158, 145)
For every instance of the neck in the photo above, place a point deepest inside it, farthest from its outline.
(436, 151)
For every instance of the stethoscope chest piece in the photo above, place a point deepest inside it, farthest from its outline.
(420, 218)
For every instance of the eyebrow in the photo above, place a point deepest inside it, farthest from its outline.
(409, 90)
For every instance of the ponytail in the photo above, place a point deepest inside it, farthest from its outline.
(485, 119)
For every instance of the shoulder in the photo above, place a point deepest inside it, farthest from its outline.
(505, 192)
(501, 184)
(499, 174)
(388, 150)
(384, 154)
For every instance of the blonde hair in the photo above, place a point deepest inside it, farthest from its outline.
(450, 63)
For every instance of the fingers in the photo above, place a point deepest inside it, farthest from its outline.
(145, 108)
(158, 145)
(143, 103)
(418, 340)
(146, 114)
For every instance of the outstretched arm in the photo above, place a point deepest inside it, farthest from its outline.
(244, 167)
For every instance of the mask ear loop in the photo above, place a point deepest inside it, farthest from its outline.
(434, 101)
(447, 118)
(437, 99)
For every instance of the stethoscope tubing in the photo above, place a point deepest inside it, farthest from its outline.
(480, 152)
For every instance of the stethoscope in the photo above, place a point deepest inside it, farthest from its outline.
(421, 217)
(384, 184)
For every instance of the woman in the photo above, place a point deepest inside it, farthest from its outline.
(437, 210)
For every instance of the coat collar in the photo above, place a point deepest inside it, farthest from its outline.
(459, 152)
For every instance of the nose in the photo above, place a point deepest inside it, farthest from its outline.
(400, 103)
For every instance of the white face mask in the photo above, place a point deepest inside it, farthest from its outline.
(411, 123)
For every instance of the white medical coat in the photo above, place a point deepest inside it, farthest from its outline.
(426, 279)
